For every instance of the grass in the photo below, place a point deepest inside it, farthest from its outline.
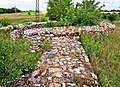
(76, 79)
(104, 53)
(22, 17)
(15, 58)
(46, 44)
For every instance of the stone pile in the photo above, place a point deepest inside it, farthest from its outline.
(64, 61)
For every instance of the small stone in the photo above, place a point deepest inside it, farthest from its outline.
(49, 61)
(68, 58)
(32, 51)
(66, 53)
(75, 59)
(54, 85)
(82, 69)
(57, 80)
(43, 73)
(69, 63)
(58, 74)
(61, 63)
(71, 84)
(82, 76)
(55, 69)
(77, 70)
(36, 85)
(69, 69)
(81, 65)
(93, 75)
(86, 59)
(63, 84)
(85, 86)
(94, 83)
(44, 80)
(49, 78)
(74, 62)
(64, 67)
(56, 65)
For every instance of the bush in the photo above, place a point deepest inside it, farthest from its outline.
(29, 13)
(5, 22)
(15, 58)
(112, 17)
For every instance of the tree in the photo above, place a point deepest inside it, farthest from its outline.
(88, 12)
(85, 13)
(57, 9)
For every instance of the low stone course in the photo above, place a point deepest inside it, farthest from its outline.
(64, 61)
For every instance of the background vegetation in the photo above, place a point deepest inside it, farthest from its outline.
(10, 10)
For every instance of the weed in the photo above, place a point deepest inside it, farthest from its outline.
(76, 79)
(47, 44)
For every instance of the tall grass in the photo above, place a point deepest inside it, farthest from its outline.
(104, 53)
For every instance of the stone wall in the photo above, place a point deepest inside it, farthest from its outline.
(36, 34)
(64, 61)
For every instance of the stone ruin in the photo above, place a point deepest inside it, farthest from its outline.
(65, 60)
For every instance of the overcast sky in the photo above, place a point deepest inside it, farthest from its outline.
(30, 4)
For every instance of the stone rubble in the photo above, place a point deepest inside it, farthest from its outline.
(61, 63)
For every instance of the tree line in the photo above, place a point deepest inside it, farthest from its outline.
(9, 10)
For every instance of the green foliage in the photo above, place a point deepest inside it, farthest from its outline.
(29, 13)
(85, 13)
(112, 17)
(43, 19)
(50, 24)
(10, 10)
(76, 79)
(57, 9)
(5, 22)
(46, 44)
(15, 58)
(92, 46)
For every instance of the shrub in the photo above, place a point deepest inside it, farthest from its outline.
(112, 17)
(29, 13)
(5, 22)
(15, 58)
